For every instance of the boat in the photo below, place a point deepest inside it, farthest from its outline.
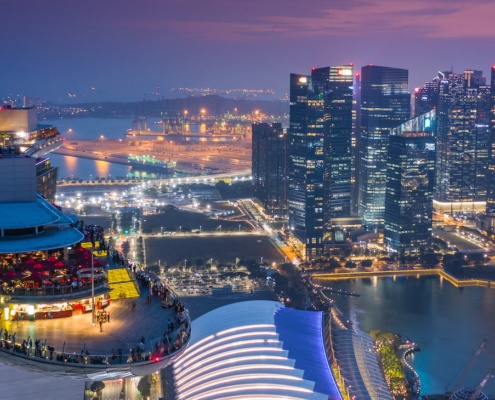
(151, 164)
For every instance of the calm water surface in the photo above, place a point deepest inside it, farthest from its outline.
(93, 128)
(448, 323)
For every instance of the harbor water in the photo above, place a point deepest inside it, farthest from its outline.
(447, 323)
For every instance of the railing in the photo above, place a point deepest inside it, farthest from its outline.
(155, 351)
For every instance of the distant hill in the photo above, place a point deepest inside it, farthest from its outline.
(213, 104)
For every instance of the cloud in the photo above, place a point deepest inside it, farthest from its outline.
(420, 18)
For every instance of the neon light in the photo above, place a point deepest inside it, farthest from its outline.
(257, 387)
(229, 370)
(236, 344)
(223, 381)
(191, 351)
(191, 375)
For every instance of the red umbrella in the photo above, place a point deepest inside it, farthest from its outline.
(10, 275)
(35, 277)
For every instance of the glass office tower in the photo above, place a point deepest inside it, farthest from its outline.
(410, 184)
(269, 167)
(385, 104)
(305, 159)
(490, 199)
(463, 103)
(319, 153)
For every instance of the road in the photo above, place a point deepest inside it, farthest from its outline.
(462, 242)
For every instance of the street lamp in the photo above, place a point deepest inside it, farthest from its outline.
(185, 265)
(211, 262)
(161, 230)
(239, 228)
(261, 260)
(92, 286)
(200, 229)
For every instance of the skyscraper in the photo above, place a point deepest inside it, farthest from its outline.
(385, 104)
(269, 167)
(410, 184)
(463, 137)
(319, 153)
(490, 198)
(305, 144)
(336, 84)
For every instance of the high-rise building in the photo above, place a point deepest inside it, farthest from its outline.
(463, 137)
(305, 164)
(490, 198)
(385, 104)
(19, 127)
(410, 184)
(319, 153)
(269, 167)
(336, 85)
(355, 143)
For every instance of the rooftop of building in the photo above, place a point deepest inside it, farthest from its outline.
(255, 349)
(76, 348)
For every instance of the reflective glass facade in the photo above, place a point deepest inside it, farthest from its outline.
(336, 84)
(269, 167)
(463, 137)
(410, 184)
(319, 152)
(305, 159)
(490, 201)
(385, 104)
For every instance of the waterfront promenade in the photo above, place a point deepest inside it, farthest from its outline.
(417, 272)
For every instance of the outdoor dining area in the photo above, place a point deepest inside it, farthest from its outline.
(43, 273)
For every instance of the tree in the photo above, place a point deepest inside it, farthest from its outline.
(144, 387)
(97, 386)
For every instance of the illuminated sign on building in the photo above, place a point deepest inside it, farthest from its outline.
(303, 79)
(346, 72)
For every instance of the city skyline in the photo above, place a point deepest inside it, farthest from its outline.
(115, 51)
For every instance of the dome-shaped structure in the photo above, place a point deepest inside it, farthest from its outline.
(467, 394)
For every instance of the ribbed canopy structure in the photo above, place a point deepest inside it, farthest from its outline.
(255, 350)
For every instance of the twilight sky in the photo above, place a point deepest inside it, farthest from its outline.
(124, 48)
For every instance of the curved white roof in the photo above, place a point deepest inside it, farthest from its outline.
(58, 230)
(255, 350)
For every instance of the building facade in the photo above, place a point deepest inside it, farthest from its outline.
(305, 164)
(410, 185)
(385, 104)
(269, 167)
(490, 199)
(463, 103)
(319, 153)
(19, 127)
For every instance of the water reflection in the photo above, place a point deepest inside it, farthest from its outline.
(448, 323)
(81, 168)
